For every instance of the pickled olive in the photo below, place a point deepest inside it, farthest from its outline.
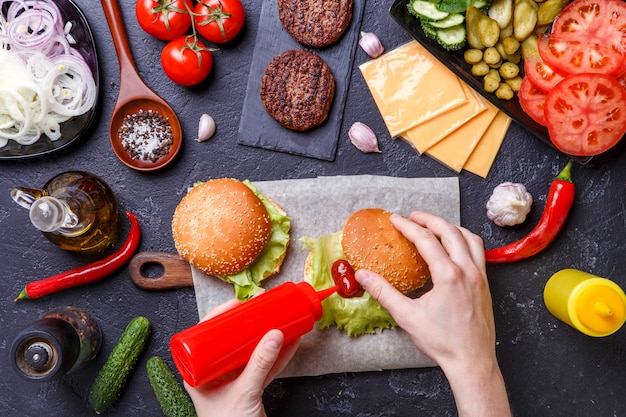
(343, 276)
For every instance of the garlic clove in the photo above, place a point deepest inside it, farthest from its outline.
(363, 138)
(206, 128)
(371, 44)
(509, 204)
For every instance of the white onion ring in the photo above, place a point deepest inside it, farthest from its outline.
(49, 82)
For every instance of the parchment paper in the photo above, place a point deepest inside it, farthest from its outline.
(320, 206)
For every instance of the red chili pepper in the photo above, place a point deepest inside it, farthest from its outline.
(558, 204)
(88, 273)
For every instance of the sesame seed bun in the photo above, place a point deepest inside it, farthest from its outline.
(220, 227)
(370, 241)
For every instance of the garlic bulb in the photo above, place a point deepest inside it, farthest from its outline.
(371, 44)
(363, 138)
(509, 204)
(206, 128)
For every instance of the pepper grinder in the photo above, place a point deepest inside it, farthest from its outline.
(60, 342)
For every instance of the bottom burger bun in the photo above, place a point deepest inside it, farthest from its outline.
(370, 241)
(226, 228)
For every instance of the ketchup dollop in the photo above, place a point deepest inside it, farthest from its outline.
(343, 276)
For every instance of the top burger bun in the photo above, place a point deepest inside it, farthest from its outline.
(221, 227)
(370, 241)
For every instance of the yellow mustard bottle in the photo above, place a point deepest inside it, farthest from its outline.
(593, 305)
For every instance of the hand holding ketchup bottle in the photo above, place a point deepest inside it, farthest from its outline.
(224, 343)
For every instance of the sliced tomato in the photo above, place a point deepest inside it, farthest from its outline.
(594, 21)
(622, 81)
(541, 74)
(586, 114)
(532, 100)
(576, 56)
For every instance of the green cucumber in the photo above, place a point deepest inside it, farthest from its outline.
(452, 38)
(426, 10)
(453, 19)
(112, 378)
(171, 396)
(429, 30)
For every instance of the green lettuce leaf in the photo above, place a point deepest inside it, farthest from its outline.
(453, 6)
(356, 316)
(248, 282)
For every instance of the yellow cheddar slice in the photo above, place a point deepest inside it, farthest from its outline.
(410, 86)
(455, 149)
(427, 134)
(484, 154)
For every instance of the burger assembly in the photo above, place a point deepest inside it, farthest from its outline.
(226, 228)
(368, 241)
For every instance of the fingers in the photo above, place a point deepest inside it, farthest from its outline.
(448, 234)
(287, 352)
(382, 291)
(477, 249)
(440, 242)
(426, 242)
(262, 360)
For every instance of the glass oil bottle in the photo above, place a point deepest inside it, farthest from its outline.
(75, 210)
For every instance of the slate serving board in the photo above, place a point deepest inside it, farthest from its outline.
(257, 128)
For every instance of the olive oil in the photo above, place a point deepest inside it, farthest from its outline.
(75, 210)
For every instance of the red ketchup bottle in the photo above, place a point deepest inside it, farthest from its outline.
(225, 342)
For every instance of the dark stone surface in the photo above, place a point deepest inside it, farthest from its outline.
(550, 368)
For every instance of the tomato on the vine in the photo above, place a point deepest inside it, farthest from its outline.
(219, 21)
(164, 19)
(186, 60)
(586, 114)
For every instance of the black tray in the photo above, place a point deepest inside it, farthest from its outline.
(456, 63)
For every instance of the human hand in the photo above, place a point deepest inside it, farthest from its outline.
(240, 393)
(453, 322)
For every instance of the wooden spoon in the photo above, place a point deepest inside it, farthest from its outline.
(134, 95)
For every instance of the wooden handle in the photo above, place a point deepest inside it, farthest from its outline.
(176, 271)
(131, 83)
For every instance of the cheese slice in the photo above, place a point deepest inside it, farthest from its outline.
(455, 149)
(410, 86)
(427, 134)
(481, 159)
